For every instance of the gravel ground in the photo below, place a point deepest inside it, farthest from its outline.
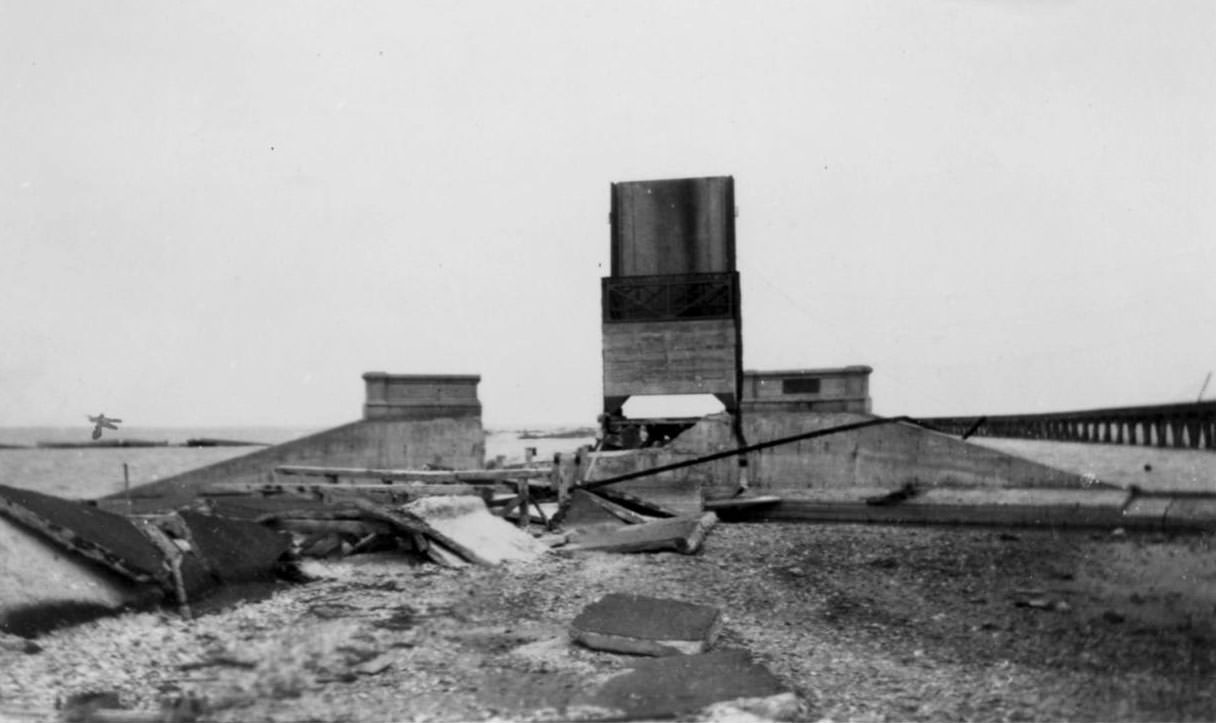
(862, 622)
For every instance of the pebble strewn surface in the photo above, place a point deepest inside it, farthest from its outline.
(862, 622)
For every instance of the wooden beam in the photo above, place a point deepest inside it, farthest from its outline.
(619, 511)
(681, 534)
(409, 488)
(408, 523)
(471, 476)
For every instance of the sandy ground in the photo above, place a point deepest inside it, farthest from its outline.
(862, 622)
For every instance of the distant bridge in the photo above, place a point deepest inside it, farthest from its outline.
(1189, 426)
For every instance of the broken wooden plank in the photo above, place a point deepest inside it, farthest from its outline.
(619, 511)
(412, 489)
(173, 562)
(416, 475)
(678, 496)
(343, 512)
(468, 521)
(580, 512)
(732, 504)
(630, 500)
(409, 523)
(356, 528)
(681, 534)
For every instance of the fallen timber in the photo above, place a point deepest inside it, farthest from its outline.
(473, 476)
(521, 480)
(1190, 425)
(68, 561)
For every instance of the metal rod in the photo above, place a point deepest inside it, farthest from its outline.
(744, 450)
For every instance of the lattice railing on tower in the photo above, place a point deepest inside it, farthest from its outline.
(663, 298)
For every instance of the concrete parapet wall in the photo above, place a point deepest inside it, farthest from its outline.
(380, 443)
(843, 389)
(420, 396)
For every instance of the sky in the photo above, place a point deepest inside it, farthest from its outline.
(225, 213)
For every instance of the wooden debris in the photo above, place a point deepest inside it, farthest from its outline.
(413, 475)
(408, 523)
(619, 511)
(469, 522)
(681, 534)
(735, 504)
(353, 528)
(587, 509)
(630, 500)
(173, 561)
(581, 512)
(392, 491)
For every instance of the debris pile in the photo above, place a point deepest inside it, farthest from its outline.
(237, 533)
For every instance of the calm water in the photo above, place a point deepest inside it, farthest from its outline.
(87, 473)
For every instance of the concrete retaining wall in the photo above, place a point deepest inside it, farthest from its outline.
(885, 456)
(888, 455)
(378, 443)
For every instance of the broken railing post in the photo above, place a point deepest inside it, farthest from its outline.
(525, 501)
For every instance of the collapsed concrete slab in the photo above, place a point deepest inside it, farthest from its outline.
(679, 685)
(677, 534)
(642, 625)
(468, 521)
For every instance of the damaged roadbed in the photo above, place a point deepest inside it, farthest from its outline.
(433, 595)
(856, 622)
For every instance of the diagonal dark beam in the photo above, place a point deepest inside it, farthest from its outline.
(744, 450)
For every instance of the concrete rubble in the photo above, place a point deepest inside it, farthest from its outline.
(686, 676)
(643, 625)
(725, 684)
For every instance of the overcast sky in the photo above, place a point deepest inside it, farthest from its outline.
(224, 213)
